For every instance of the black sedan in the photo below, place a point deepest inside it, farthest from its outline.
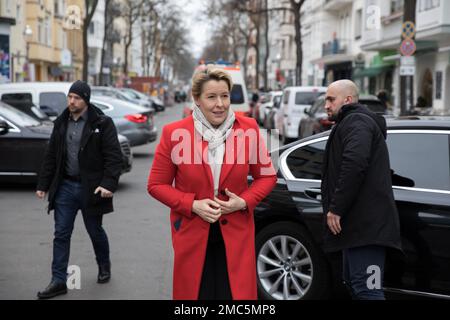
(23, 141)
(290, 223)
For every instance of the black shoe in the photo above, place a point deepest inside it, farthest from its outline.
(53, 289)
(104, 273)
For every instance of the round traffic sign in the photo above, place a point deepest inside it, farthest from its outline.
(408, 29)
(408, 47)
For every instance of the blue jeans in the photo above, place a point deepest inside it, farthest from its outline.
(68, 201)
(363, 270)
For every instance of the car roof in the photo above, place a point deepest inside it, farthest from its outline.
(361, 97)
(119, 103)
(395, 123)
(306, 89)
(419, 122)
(65, 86)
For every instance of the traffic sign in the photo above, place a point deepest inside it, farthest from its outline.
(407, 70)
(408, 47)
(408, 30)
(407, 61)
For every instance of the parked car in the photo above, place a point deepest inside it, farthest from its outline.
(23, 102)
(290, 222)
(118, 94)
(23, 141)
(295, 101)
(271, 117)
(267, 104)
(50, 97)
(316, 119)
(156, 103)
(133, 121)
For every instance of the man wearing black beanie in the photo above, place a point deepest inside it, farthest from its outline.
(80, 171)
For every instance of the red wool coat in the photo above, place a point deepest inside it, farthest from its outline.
(178, 158)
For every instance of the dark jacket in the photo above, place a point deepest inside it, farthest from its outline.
(99, 159)
(356, 183)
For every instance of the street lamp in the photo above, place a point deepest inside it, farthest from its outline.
(28, 33)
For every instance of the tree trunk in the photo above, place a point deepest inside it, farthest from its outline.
(129, 39)
(298, 41)
(106, 28)
(266, 34)
(257, 56)
(90, 6)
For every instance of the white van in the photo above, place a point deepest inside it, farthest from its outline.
(294, 103)
(50, 97)
(238, 96)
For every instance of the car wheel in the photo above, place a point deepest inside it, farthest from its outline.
(289, 265)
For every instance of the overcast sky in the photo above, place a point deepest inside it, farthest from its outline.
(192, 12)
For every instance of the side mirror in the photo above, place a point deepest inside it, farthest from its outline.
(307, 110)
(4, 128)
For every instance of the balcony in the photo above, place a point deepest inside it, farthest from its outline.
(433, 22)
(336, 46)
(336, 5)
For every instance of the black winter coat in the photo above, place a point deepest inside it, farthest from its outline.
(356, 182)
(100, 160)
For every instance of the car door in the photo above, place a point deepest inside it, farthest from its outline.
(301, 166)
(421, 182)
(10, 144)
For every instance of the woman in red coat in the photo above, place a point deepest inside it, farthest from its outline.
(209, 156)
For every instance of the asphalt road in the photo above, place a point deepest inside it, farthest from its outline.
(138, 230)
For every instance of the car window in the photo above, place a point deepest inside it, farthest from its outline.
(306, 162)
(422, 158)
(237, 94)
(23, 102)
(55, 100)
(17, 117)
(306, 97)
(101, 106)
(276, 101)
(318, 106)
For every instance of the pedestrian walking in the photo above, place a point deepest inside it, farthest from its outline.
(361, 215)
(80, 171)
(211, 218)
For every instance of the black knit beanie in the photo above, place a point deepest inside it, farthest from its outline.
(82, 89)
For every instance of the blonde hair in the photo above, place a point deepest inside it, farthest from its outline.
(206, 74)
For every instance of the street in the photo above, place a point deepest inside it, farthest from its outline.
(138, 230)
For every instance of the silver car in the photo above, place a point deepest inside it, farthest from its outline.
(133, 121)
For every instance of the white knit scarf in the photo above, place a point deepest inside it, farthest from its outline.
(216, 138)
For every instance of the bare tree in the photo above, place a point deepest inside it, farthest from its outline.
(112, 9)
(132, 13)
(90, 6)
(296, 6)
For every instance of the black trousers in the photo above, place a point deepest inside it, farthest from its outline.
(215, 284)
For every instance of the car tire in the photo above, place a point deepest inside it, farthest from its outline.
(305, 276)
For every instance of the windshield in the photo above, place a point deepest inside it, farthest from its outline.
(17, 117)
(237, 95)
(306, 97)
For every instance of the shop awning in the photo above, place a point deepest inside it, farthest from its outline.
(370, 72)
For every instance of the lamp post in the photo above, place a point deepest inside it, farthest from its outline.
(28, 34)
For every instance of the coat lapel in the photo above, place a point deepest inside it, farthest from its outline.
(200, 148)
(230, 156)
